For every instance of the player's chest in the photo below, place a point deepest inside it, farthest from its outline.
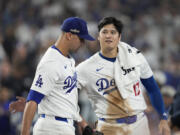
(102, 76)
(67, 76)
(67, 72)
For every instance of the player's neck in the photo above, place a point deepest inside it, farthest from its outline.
(109, 53)
(62, 47)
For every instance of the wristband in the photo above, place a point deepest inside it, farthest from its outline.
(164, 116)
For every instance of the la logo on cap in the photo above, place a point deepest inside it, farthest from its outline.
(74, 30)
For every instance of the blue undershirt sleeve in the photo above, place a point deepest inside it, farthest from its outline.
(155, 96)
(35, 96)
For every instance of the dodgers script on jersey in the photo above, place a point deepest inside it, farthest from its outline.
(96, 76)
(59, 86)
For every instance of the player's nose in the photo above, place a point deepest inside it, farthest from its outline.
(108, 35)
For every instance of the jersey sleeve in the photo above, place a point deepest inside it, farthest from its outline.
(35, 96)
(145, 69)
(44, 79)
(80, 77)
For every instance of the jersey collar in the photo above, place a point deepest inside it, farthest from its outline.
(54, 47)
(106, 58)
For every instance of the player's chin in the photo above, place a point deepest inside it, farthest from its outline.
(110, 48)
(109, 44)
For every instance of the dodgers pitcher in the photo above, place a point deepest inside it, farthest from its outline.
(54, 88)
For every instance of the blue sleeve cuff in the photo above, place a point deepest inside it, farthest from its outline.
(35, 96)
(164, 116)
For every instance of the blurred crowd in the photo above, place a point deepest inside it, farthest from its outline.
(29, 27)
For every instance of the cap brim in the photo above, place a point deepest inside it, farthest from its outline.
(86, 37)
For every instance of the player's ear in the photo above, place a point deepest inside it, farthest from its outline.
(68, 35)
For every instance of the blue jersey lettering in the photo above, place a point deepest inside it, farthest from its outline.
(39, 81)
(70, 83)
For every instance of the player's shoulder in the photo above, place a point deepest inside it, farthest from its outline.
(88, 63)
(47, 66)
(129, 48)
(48, 62)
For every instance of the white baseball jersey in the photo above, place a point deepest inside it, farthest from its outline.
(96, 76)
(56, 78)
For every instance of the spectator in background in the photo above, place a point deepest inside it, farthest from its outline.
(168, 93)
(5, 125)
(9, 42)
(174, 120)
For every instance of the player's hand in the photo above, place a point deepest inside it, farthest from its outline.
(17, 106)
(89, 131)
(164, 128)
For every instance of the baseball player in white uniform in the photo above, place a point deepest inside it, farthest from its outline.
(54, 89)
(113, 80)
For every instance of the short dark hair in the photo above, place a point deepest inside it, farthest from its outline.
(111, 20)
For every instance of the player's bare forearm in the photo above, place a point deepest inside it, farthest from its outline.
(28, 116)
(164, 128)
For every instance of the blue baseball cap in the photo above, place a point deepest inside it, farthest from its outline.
(76, 26)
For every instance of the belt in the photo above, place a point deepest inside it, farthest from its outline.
(126, 120)
(55, 117)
